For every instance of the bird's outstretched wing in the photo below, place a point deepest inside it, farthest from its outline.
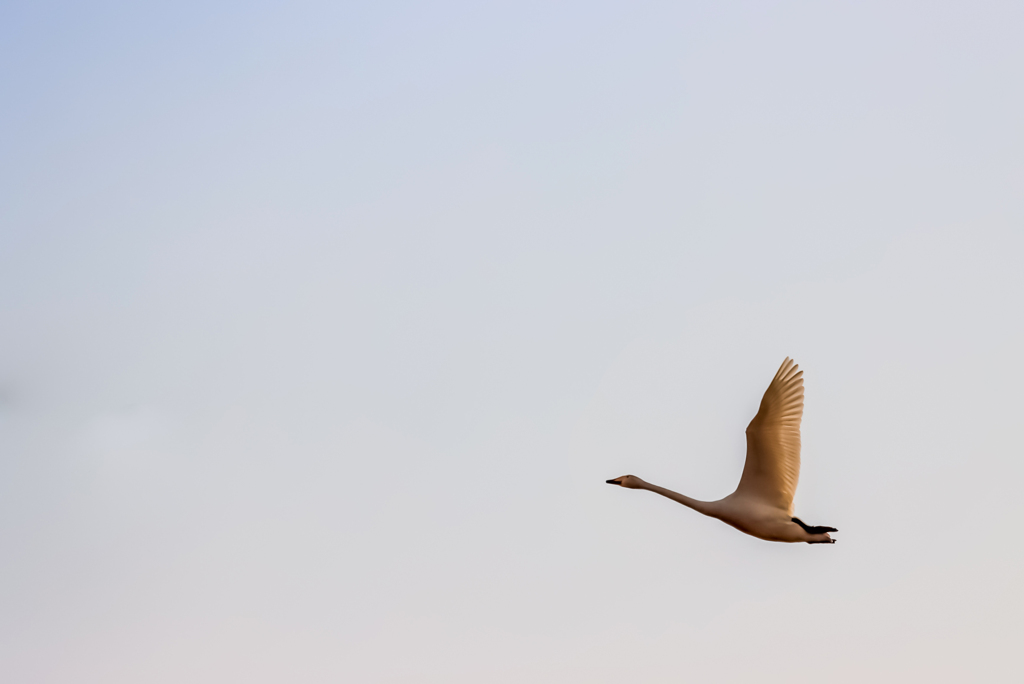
(773, 441)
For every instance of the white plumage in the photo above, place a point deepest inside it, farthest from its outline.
(762, 505)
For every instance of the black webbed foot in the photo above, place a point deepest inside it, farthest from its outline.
(813, 529)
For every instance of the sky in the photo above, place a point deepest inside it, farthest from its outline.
(324, 323)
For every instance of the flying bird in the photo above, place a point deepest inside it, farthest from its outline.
(762, 505)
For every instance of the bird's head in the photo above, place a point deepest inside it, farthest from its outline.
(628, 481)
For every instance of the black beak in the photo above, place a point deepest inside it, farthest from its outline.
(618, 482)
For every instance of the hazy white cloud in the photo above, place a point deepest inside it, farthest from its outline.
(126, 437)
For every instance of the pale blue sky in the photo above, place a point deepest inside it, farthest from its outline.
(323, 325)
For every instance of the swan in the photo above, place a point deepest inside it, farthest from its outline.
(762, 505)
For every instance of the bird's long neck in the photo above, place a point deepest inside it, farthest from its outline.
(704, 507)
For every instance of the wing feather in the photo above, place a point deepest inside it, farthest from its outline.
(772, 468)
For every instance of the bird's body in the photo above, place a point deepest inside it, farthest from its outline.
(762, 505)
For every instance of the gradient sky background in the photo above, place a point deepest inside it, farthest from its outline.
(324, 323)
